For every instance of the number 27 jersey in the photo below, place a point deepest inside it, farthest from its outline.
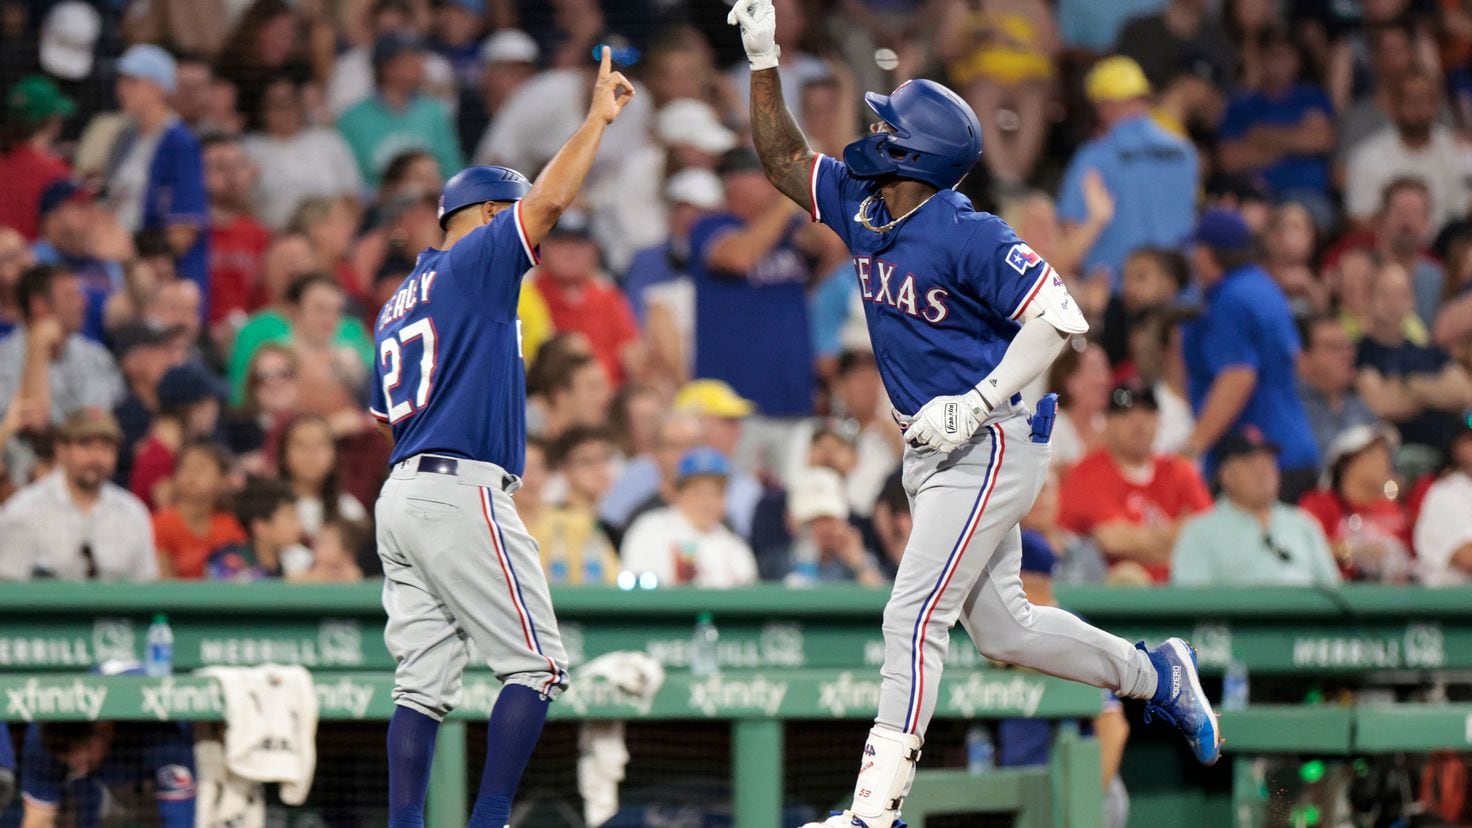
(448, 370)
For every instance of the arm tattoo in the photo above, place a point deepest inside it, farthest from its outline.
(784, 150)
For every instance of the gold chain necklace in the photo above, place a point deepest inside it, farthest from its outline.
(863, 214)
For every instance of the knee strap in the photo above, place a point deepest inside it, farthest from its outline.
(885, 774)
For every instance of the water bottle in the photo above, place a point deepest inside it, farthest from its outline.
(704, 660)
(1234, 686)
(981, 753)
(804, 564)
(158, 658)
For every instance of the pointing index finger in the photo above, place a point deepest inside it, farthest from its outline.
(606, 64)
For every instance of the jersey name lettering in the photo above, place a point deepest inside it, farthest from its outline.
(879, 285)
(414, 290)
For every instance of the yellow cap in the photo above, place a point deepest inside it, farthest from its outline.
(1114, 79)
(714, 398)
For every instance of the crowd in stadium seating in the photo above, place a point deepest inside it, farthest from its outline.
(1264, 207)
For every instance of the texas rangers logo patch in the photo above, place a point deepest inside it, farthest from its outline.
(1022, 258)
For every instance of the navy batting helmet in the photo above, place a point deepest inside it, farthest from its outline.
(477, 185)
(936, 136)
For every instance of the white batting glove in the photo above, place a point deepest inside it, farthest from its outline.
(758, 22)
(947, 423)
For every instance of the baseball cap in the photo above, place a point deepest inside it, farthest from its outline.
(1116, 78)
(64, 191)
(391, 45)
(687, 122)
(1243, 442)
(815, 493)
(714, 398)
(36, 98)
(146, 61)
(702, 462)
(140, 335)
(68, 39)
(89, 422)
(574, 224)
(1222, 229)
(1356, 439)
(697, 187)
(740, 159)
(510, 46)
(1128, 396)
(190, 383)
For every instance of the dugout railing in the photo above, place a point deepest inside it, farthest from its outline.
(787, 656)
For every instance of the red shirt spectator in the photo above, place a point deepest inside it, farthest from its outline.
(1127, 500)
(38, 107)
(238, 241)
(188, 550)
(579, 300)
(1368, 528)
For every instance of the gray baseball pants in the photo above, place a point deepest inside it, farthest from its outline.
(963, 563)
(460, 567)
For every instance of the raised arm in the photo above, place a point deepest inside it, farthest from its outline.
(558, 185)
(783, 149)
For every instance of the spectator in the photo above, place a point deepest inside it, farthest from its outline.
(306, 460)
(1241, 352)
(83, 770)
(272, 399)
(575, 548)
(15, 258)
(156, 178)
(1326, 380)
(238, 241)
(398, 116)
(647, 481)
(581, 299)
(858, 393)
(144, 354)
(1151, 174)
(1000, 55)
(75, 524)
(352, 76)
(1289, 244)
(264, 45)
(508, 59)
(1402, 233)
(334, 555)
(197, 522)
(750, 267)
(723, 415)
(198, 96)
(189, 399)
(685, 542)
(297, 161)
(1283, 130)
(312, 322)
(892, 524)
(576, 392)
(331, 390)
(658, 283)
(1184, 27)
(1155, 355)
(1415, 146)
(1035, 218)
(86, 240)
(1152, 282)
(68, 51)
(77, 373)
(1419, 388)
(1080, 376)
(1443, 534)
(1251, 538)
(1130, 501)
(633, 417)
(1093, 28)
(329, 224)
(267, 511)
(798, 68)
(35, 109)
(1359, 507)
(825, 546)
(458, 27)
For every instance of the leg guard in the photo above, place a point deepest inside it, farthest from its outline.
(885, 776)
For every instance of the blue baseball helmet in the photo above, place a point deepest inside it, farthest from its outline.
(936, 136)
(477, 185)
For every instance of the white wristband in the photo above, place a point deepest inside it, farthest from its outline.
(765, 60)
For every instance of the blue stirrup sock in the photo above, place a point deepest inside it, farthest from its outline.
(515, 725)
(411, 737)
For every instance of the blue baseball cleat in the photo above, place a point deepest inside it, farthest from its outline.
(1180, 700)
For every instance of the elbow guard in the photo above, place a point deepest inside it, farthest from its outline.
(1054, 305)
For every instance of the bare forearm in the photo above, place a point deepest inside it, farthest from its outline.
(1449, 390)
(558, 185)
(1462, 557)
(786, 157)
(1224, 403)
(739, 250)
(1145, 544)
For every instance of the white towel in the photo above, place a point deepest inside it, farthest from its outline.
(270, 726)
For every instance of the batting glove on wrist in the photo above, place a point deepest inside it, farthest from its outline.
(947, 423)
(758, 22)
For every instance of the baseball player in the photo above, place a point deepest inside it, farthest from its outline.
(450, 395)
(962, 314)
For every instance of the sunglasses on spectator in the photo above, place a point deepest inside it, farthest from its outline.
(275, 376)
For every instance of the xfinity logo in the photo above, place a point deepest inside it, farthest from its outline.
(346, 695)
(167, 700)
(713, 696)
(34, 699)
(845, 694)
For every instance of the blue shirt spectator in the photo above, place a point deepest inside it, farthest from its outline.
(1152, 174)
(1242, 350)
(830, 307)
(1283, 131)
(71, 227)
(1092, 25)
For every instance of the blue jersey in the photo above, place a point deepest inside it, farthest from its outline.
(942, 291)
(160, 756)
(448, 375)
